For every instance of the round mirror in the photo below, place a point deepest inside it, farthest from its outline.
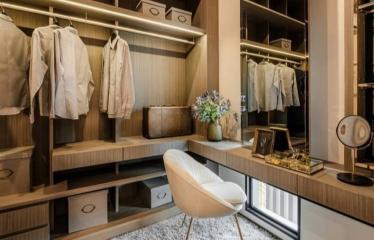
(354, 131)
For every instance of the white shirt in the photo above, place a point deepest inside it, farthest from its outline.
(289, 87)
(14, 65)
(71, 75)
(253, 91)
(269, 87)
(117, 95)
(39, 77)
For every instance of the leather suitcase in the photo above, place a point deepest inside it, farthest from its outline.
(167, 121)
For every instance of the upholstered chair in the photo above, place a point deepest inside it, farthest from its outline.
(200, 193)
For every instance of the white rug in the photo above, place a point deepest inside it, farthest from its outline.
(202, 229)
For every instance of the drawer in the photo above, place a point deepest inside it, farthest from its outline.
(179, 16)
(14, 176)
(22, 219)
(85, 159)
(151, 8)
(36, 234)
(87, 210)
(155, 192)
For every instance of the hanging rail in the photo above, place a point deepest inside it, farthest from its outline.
(270, 58)
(272, 50)
(93, 22)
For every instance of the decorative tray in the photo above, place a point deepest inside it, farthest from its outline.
(300, 162)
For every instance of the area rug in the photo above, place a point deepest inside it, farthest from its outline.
(202, 229)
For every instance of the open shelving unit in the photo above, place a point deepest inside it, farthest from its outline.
(263, 21)
(169, 65)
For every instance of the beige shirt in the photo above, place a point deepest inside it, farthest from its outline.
(269, 87)
(117, 96)
(14, 65)
(289, 87)
(39, 78)
(71, 75)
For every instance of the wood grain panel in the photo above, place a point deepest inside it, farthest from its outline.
(39, 234)
(23, 219)
(85, 154)
(150, 150)
(207, 152)
(325, 189)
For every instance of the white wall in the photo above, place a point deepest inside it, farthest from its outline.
(318, 223)
(326, 77)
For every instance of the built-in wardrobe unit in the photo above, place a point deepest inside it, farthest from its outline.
(75, 158)
(365, 77)
(275, 31)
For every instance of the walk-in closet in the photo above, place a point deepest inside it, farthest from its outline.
(97, 154)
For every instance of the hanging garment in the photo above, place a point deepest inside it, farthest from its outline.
(117, 95)
(289, 90)
(39, 78)
(14, 65)
(269, 87)
(253, 91)
(71, 75)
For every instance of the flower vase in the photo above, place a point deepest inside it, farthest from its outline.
(214, 132)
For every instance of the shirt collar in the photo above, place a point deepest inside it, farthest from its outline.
(114, 42)
(5, 17)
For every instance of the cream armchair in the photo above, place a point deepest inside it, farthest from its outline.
(198, 192)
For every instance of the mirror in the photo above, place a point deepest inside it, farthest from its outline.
(354, 132)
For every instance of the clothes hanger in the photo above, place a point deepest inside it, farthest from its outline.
(3, 10)
(55, 21)
(114, 35)
(70, 23)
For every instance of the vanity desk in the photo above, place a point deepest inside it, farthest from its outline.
(322, 188)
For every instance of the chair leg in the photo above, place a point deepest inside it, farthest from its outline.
(184, 220)
(189, 228)
(237, 224)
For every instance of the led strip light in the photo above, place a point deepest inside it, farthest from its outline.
(270, 50)
(130, 17)
(96, 23)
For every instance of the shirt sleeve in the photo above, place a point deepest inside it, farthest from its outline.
(295, 91)
(38, 69)
(129, 88)
(278, 84)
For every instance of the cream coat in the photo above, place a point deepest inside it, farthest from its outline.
(117, 95)
(14, 65)
(71, 75)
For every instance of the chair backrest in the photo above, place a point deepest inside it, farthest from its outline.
(185, 177)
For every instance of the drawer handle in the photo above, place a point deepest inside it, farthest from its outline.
(5, 174)
(154, 11)
(182, 19)
(161, 195)
(89, 208)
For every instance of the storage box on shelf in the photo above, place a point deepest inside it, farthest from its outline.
(155, 192)
(151, 8)
(13, 222)
(282, 43)
(87, 210)
(179, 16)
(15, 170)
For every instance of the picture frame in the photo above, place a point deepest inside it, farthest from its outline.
(263, 142)
(282, 139)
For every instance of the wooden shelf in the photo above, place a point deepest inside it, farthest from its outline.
(274, 51)
(109, 13)
(92, 153)
(16, 153)
(259, 13)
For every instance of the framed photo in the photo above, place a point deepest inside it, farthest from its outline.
(282, 140)
(263, 142)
